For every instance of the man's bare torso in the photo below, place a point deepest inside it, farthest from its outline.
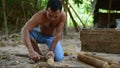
(48, 27)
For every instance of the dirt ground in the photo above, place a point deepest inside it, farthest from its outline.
(8, 58)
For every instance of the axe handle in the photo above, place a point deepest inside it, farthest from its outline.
(25, 55)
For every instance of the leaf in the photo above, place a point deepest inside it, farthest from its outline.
(78, 2)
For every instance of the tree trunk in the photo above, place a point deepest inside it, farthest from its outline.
(24, 11)
(35, 4)
(77, 15)
(65, 9)
(74, 22)
(5, 21)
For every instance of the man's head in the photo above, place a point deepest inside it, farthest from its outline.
(54, 8)
(54, 5)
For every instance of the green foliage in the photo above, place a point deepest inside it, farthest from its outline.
(84, 10)
(14, 2)
(15, 38)
(24, 9)
(84, 5)
(87, 6)
(0, 3)
(42, 4)
(78, 2)
(20, 10)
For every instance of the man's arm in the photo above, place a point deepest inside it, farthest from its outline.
(30, 24)
(58, 32)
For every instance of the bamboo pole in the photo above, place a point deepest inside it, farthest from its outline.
(92, 61)
(110, 4)
(77, 15)
(66, 10)
(100, 58)
(24, 11)
(74, 22)
(5, 20)
(114, 66)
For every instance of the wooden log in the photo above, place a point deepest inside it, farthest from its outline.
(114, 66)
(100, 58)
(93, 61)
(50, 61)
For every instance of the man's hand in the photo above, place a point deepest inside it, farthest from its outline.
(34, 56)
(50, 54)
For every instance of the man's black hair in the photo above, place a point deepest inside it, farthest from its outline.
(54, 5)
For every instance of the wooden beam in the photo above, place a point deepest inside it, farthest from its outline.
(92, 61)
(100, 58)
(109, 11)
(114, 66)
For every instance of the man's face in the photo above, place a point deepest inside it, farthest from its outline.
(53, 15)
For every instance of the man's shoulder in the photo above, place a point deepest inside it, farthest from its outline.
(63, 13)
(41, 12)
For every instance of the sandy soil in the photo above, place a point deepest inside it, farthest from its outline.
(9, 60)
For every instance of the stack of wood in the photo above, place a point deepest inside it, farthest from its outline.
(97, 61)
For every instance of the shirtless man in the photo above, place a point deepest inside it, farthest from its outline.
(45, 27)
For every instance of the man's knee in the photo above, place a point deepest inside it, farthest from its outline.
(59, 58)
